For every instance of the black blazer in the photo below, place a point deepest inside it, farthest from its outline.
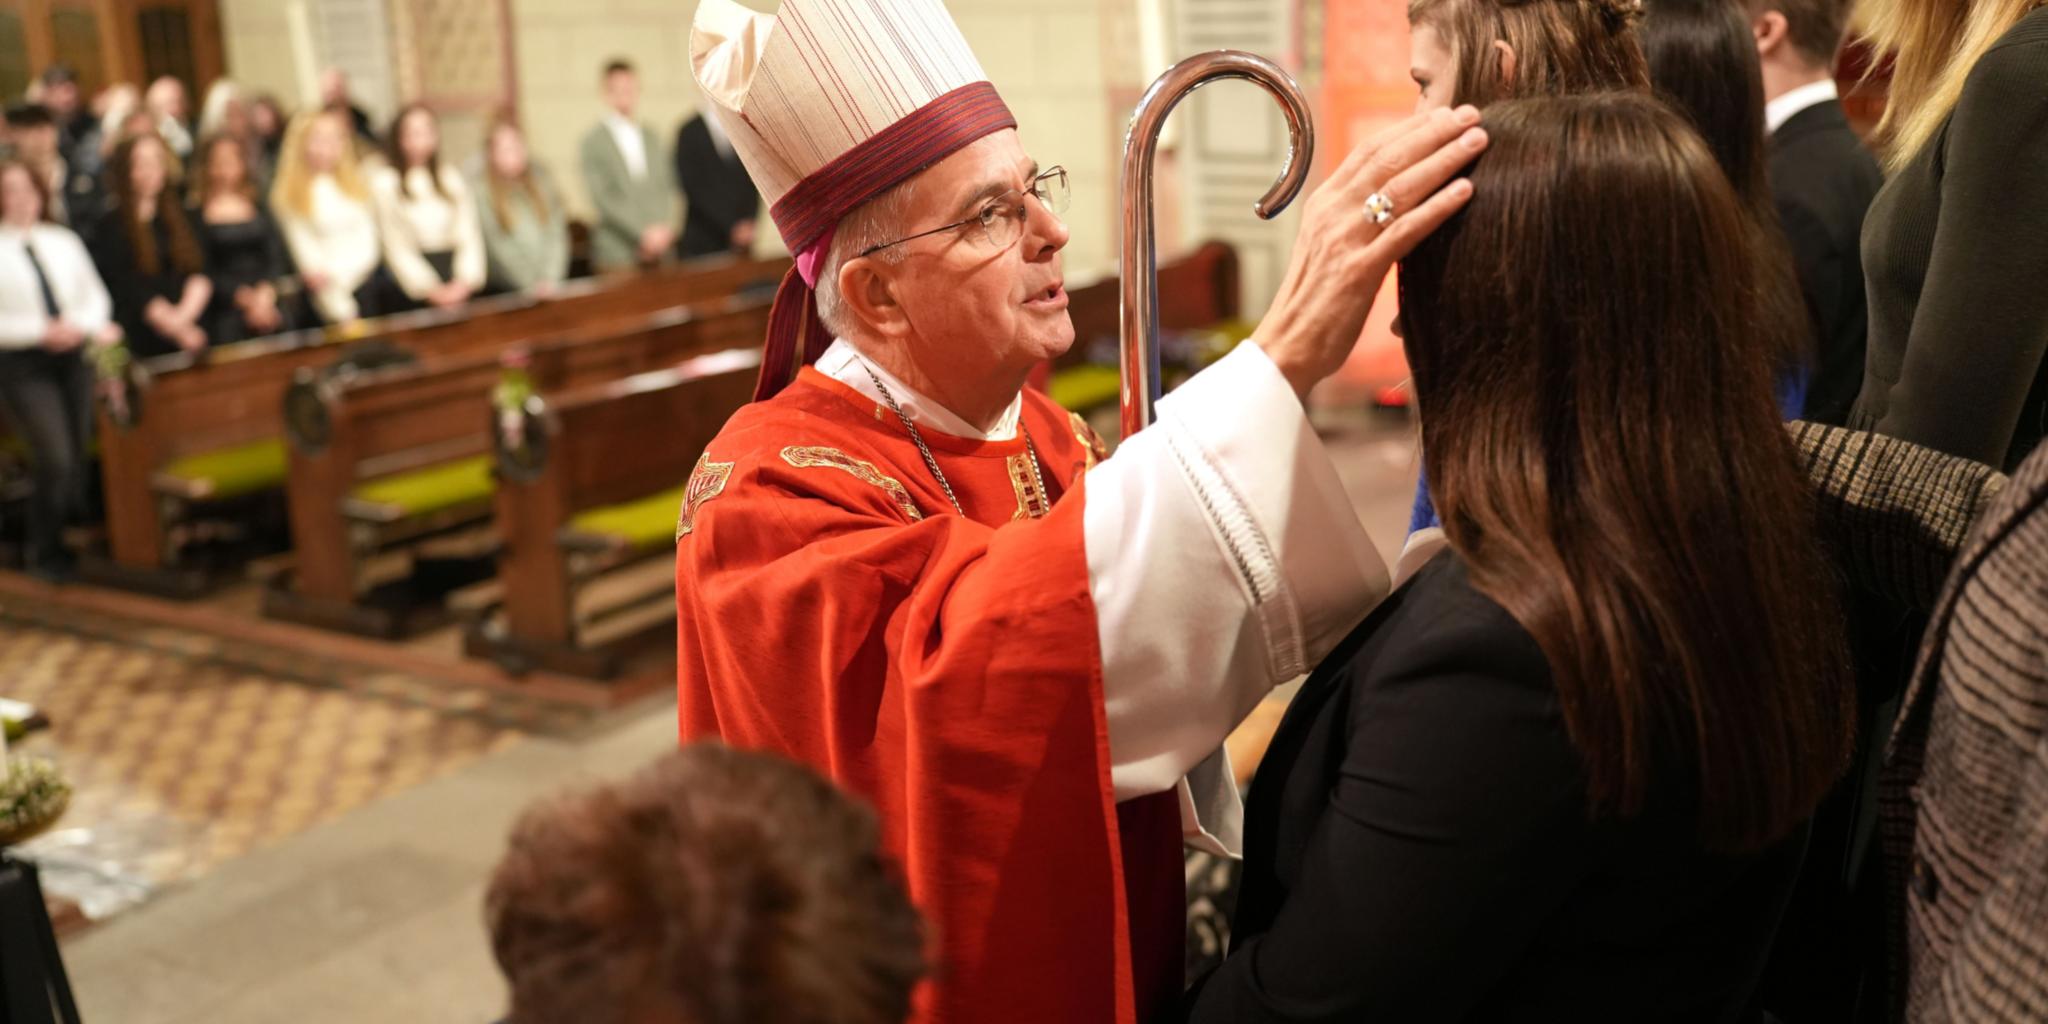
(716, 189)
(1823, 179)
(1417, 848)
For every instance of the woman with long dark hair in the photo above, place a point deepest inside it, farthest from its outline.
(1563, 772)
(433, 244)
(254, 291)
(1703, 61)
(148, 253)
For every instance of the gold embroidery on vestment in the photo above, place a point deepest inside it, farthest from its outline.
(707, 481)
(804, 456)
(1031, 500)
(1091, 441)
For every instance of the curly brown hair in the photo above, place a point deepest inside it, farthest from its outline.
(716, 886)
(185, 256)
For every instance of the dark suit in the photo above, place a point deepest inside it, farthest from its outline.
(1417, 848)
(716, 188)
(1823, 180)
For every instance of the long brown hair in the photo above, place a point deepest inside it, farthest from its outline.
(1602, 445)
(1561, 46)
(203, 169)
(1703, 62)
(500, 187)
(394, 151)
(184, 254)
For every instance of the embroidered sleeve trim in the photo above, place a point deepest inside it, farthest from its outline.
(805, 456)
(707, 481)
(1090, 440)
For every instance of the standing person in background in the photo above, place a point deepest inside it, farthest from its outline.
(525, 226)
(719, 200)
(67, 107)
(52, 308)
(148, 254)
(245, 254)
(433, 247)
(323, 207)
(1956, 249)
(266, 131)
(38, 143)
(172, 110)
(1822, 180)
(1703, 62)
(334, 96)
(627, 180)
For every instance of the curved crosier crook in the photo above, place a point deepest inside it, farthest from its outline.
(1139, 265)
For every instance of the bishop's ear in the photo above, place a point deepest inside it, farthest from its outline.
(867, 290)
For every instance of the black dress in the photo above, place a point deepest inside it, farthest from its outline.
(240, 254)
(1418, 848)
(1955, 256)
(131, 286)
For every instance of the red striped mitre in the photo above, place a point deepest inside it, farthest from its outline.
(830, 103)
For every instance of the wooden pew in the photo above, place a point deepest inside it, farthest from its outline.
(594, 486)
(401, 454)
(203, 428)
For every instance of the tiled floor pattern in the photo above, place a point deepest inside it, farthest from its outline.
(182, 759)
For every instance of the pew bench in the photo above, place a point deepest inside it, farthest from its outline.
(203, 434)
(400, 456)
(584, 502)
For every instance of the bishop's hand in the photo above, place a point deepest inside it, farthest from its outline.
(1344, 252)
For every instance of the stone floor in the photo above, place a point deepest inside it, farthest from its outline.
(374, 913)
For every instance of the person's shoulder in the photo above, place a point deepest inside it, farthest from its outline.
(1445, 626)
(2011, 78)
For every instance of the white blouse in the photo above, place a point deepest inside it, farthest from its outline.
(425, 221)
(81, 295)
(337, 238)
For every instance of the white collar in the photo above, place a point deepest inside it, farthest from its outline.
(619, 122)
(1792, 101)
(844, 363)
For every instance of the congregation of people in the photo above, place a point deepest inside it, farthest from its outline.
(1709, 686)
(131, 225)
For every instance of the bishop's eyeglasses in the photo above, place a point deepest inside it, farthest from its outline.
(1000, 221)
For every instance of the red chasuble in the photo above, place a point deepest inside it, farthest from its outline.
(833, 608)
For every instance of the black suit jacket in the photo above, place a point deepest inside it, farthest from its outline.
(1823, 180)
(716, 188)
(1417, 848)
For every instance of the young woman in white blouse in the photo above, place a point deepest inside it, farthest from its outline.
(323, 206)
(433, 244)
(53, 307)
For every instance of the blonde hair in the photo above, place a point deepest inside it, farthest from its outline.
(1936, 43)
(293, 191)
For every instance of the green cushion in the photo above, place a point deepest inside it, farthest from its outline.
(227, 472)
(426, 491)
(1081, 388)
(646, 523)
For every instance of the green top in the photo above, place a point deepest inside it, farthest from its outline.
(534, 247)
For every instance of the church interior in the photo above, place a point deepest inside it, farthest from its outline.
(346, 592)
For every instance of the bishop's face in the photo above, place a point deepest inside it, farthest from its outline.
(973, 307)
